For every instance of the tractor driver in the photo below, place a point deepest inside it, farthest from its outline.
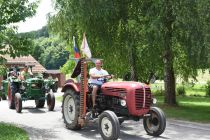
(25, 74)
(96, 74)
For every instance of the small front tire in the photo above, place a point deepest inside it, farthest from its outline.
(50, 101)
(109, 126)
(4, 97)
(155, 124)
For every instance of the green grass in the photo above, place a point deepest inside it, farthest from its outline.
(195, 109)
(59, 98)
(196, 90)
(11, 132)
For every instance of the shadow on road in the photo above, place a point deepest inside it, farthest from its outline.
(36, 133)
(91, 131)
(33, 110)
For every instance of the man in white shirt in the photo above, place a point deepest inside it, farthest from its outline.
(97, 75)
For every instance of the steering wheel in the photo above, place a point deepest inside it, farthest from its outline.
(104, 79)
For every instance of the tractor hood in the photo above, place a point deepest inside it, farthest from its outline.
(34, 80)
(119, 88)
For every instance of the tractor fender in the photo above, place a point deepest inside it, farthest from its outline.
(70, 85)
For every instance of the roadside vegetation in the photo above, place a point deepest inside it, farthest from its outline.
(11, 132)
(193, 102)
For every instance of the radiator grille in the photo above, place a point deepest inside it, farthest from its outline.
(116, 90)
(139, 98)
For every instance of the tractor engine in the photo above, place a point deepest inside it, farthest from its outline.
(131, 98)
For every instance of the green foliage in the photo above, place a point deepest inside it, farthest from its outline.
(115, 27)
(181, 90)
(159, 92)
(207, 88)
(10, 42)
(167, 38)
(50, 52)
(2, 70)
(43, 32)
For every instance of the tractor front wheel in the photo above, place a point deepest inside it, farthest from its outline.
(4, 97)
(39, 103)
(155, 124)
(18, 103)
(109, 126)
(50, 101)
(70, 107)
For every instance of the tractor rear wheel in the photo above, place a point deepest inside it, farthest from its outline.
(18, 103)
(39, 103)
(155, 124)
(11, 100)
(70, 107)
(50, 101)
(109, 126)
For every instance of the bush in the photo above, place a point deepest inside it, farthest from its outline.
(181, 90)
(207, 88)
(159, 92)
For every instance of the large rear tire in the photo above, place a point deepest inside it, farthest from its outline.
(39, 103)
(70, 109)
(155, 124)
(50, 101)
(109, 126)
(11, 100)
(18, 103)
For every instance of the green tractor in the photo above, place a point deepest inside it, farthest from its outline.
(30, 89)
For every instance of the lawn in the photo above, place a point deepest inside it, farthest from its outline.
(189, 108)
(197, 89)
(11, 132)
(59, 98)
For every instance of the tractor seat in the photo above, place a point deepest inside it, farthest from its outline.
(90, 89)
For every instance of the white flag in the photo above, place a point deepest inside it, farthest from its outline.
(85, 48)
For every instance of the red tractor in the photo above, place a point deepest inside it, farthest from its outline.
(116, 102)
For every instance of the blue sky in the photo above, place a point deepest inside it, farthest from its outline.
(39, 20)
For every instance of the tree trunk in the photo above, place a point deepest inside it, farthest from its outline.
(132, 62)
(169, 77)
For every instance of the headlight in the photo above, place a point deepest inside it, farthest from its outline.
(154, 100)
(33, 85)
(123, 102)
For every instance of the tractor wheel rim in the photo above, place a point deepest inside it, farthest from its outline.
(69, 109)
(153, 123)
(106, 127)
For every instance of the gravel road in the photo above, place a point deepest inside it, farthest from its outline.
(44, 125)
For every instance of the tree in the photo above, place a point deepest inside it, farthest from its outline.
(12, 12)
(50, 52)
(166, 37)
